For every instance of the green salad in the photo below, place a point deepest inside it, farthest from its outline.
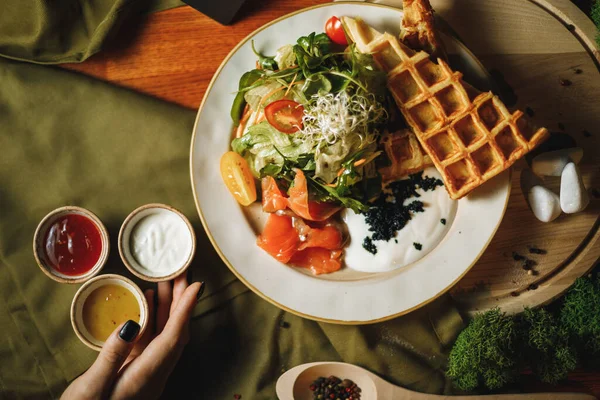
(317, 107)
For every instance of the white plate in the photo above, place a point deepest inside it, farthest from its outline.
(350, 298)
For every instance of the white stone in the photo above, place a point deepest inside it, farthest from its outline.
(573, 196)
(552, 163)
(544, 203)
(529, 180)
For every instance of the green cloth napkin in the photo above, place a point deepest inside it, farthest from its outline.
(59, 31)
(69, 139)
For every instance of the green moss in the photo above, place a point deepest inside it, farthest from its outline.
(580, 317)
(596, 18)
(546, 347)
(494, 347)
(484, 353)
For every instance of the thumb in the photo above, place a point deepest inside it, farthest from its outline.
(115, 351)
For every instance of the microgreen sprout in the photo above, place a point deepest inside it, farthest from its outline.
(331, 117)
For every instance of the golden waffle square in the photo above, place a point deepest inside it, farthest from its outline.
(418, 28)
(470, 136)
(405, 154)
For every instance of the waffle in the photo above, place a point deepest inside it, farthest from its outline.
(418, 28)
(470, 136)
(405, 154)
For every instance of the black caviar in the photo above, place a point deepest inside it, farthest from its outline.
(369, 245)
(334, 388)
(388, 214)
(443, 221)
(418, 246)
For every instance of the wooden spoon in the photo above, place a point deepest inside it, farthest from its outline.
(294, 385)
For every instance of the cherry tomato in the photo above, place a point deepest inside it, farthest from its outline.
(285, 115)
(238, 178)
(335, 31)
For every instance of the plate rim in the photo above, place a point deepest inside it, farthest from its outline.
(215, 244)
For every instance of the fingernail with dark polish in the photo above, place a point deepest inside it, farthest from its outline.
(129, 331)
(200, 291)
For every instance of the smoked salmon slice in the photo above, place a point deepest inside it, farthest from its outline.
(273, 199)
(318, 260)
(325, 236)
(279, 238)
(290, 239)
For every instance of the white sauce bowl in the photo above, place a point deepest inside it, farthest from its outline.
(157, 242)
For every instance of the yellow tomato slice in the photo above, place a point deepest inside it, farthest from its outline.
(238, 178)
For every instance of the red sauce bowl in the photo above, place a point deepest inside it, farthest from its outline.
(71, 244)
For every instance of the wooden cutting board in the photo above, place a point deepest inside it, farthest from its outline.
(544, 50)
(543, 53)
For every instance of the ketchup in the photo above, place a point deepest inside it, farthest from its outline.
(73, 244)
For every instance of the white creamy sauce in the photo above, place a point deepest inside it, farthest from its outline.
(424, 228)
(160, 243)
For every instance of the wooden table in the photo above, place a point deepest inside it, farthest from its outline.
(173, 55)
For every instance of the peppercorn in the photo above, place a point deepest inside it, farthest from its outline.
(565, 82)
(535, 250)
(528, 264)
(529, 111)
(334, 388)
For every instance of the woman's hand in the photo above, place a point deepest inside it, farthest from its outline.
(130, 369)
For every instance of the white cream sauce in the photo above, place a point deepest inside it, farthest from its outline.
(424, 228)
(160, 243)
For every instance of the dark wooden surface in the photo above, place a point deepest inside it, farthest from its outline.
(173, 54)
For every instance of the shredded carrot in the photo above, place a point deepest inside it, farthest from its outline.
(239, 131)
(271, 93)
(331, 185)
(290, 86)
(360, 162)
(245, 117)
(261, 118)
(340, 172)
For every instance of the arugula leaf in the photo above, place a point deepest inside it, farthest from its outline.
(265, 62)
(328, 193)
(316, 84)
(246, 81)
(271, 170)
(315, 45)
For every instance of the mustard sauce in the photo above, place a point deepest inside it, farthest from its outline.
(106, 308)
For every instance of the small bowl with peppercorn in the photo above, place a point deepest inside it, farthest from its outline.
(327, 381)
